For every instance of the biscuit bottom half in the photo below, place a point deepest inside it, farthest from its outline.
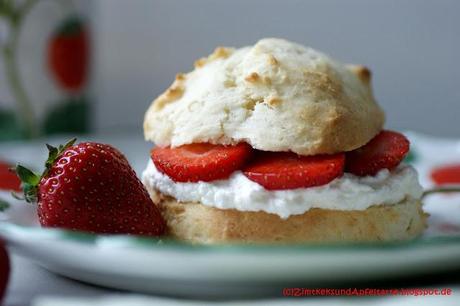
(200, 224)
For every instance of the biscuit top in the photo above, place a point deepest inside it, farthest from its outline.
(275, 95)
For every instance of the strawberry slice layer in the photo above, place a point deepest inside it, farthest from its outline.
(384, 151)
(283, 170)
(201, 161)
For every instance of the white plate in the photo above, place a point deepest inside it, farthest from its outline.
(168, 267)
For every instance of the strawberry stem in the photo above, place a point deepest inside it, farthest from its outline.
(444, 189)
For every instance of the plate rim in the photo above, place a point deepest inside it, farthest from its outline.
(10, 231)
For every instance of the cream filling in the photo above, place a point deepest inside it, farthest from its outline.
(349, 192)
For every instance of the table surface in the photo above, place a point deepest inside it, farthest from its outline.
(28, 282)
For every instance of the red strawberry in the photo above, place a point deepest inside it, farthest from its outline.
(447, 174)
(8, 179)
(68, 54)
(4, 270)
(384, 151)
(276, 171)
(200, 162)
(91, 187)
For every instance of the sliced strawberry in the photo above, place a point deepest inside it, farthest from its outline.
(8, 179)
(200, 162)
(276, 171)
(384, 151)
(447, 174)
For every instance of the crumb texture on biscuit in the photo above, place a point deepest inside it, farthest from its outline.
(275, 95)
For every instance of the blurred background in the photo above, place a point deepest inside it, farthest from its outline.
(412, 47)
(135, 48)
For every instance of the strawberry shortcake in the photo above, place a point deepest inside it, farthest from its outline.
(278, 143)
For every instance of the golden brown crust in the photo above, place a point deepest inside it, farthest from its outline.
(275, 95)
(197, 223)
(363, 73)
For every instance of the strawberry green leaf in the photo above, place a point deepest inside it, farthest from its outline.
(27, 176)
(31, 180)
(54, 153)
(30, 193)
(67, 145)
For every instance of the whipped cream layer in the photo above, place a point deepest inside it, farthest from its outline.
(349, 192)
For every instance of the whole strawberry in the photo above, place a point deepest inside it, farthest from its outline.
(91, 187)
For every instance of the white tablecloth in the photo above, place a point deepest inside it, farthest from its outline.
(33, 285)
